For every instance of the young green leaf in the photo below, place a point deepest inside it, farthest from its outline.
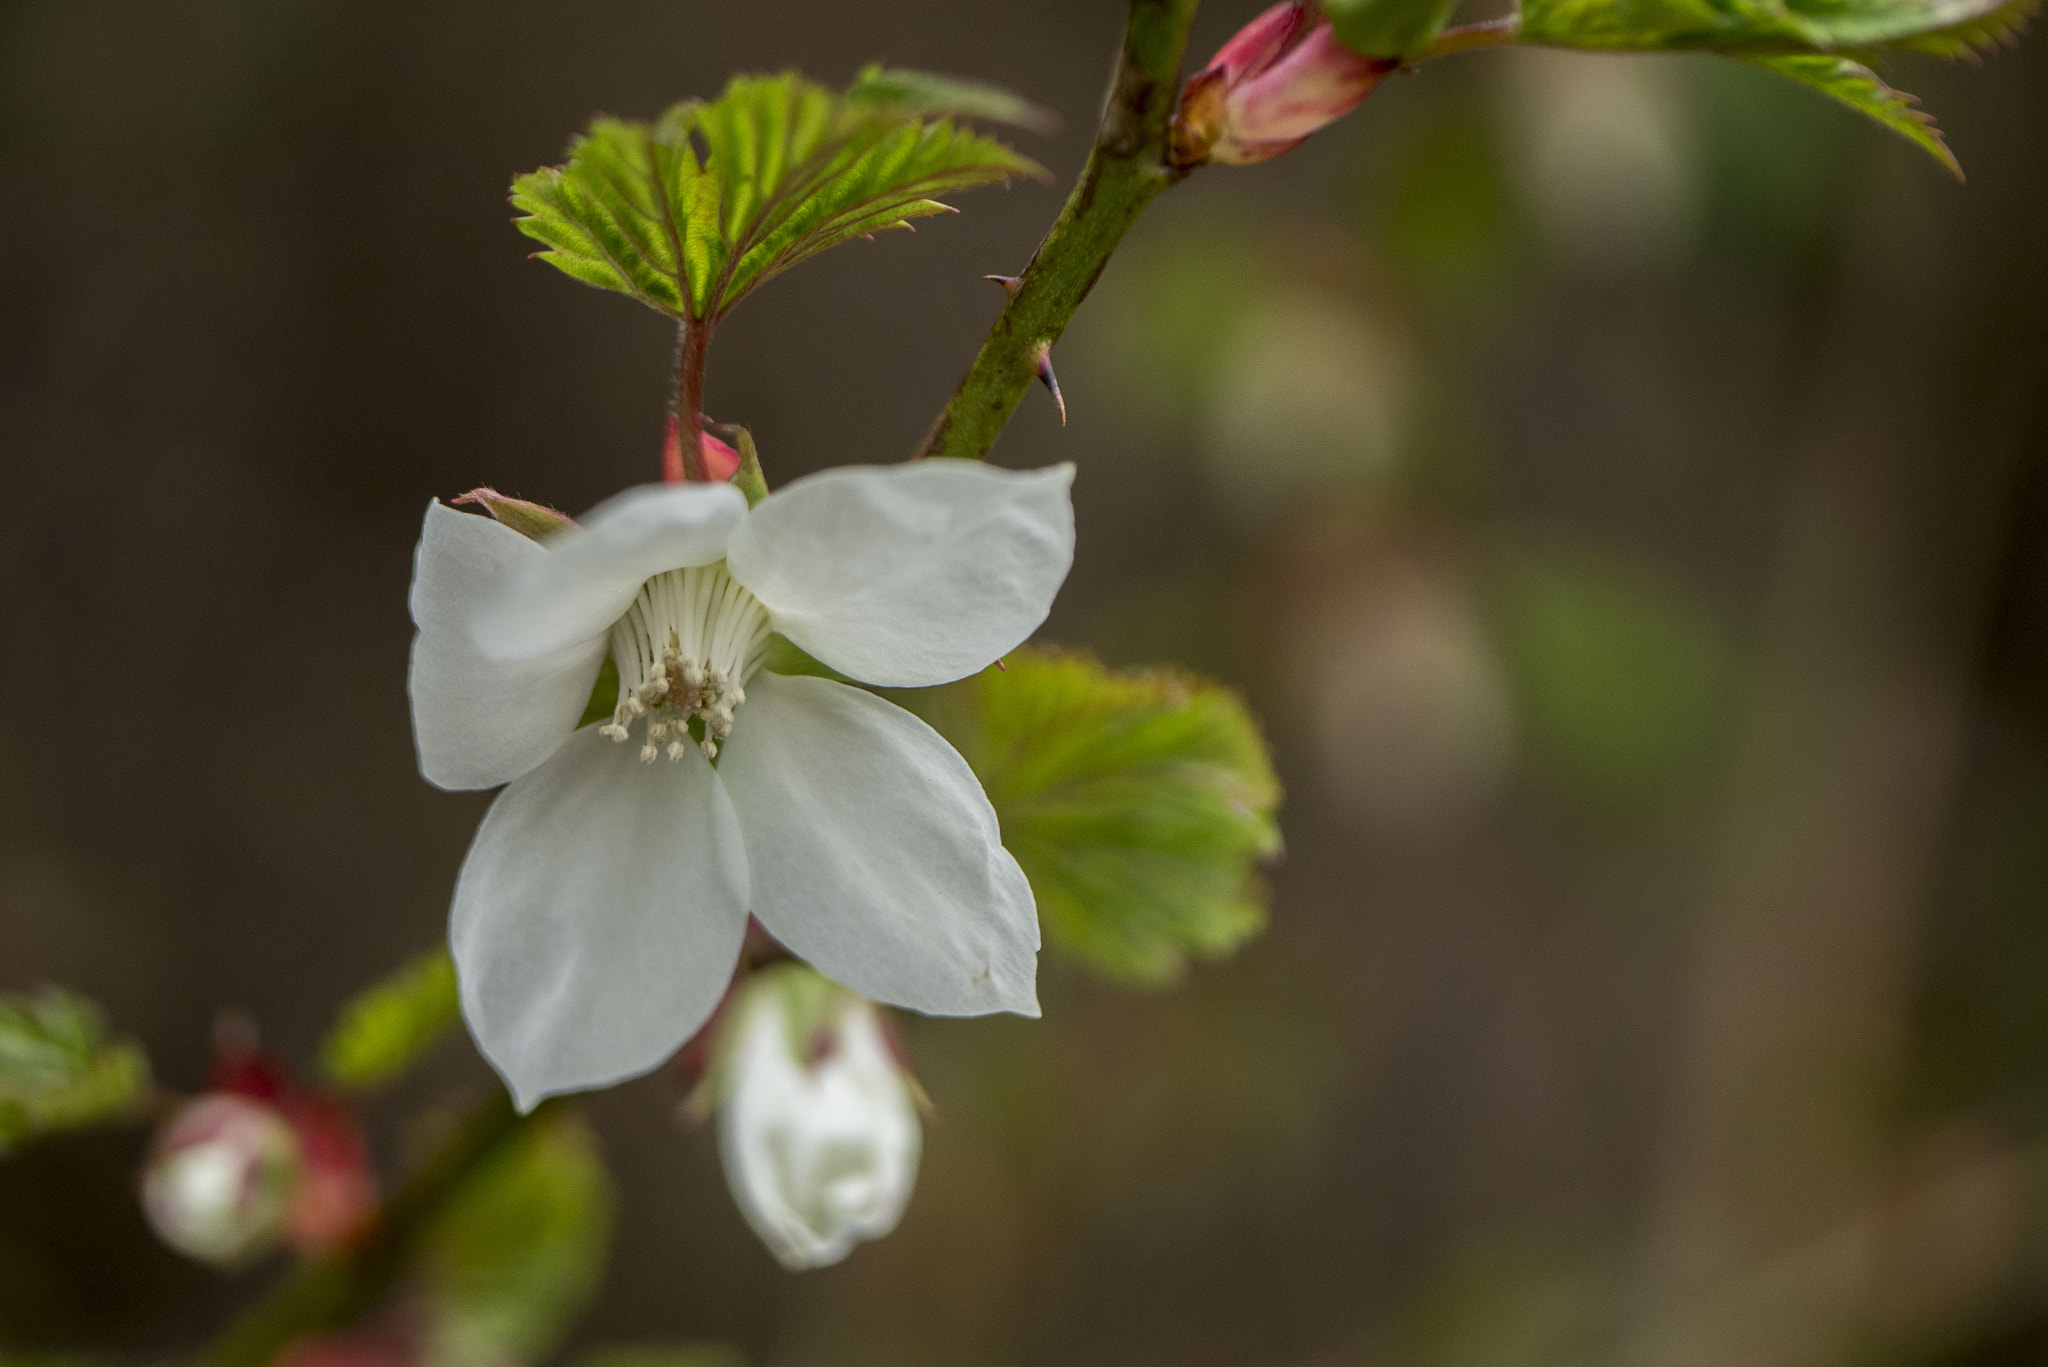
(1762, 26)
(508, 1265)
(390, 1023)
(1138, 803)
(1858, 87)
(800, 170)
(691, 212)
(58, 1069)
(924, 94)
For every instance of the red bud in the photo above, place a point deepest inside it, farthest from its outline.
(1283, 76)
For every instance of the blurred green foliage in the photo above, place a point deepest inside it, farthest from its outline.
(385, 1028)
(1622, 683)
(1448, 219)
(58, 1069)
(1511, 1304)
(1137, 801)
(505, 1269)
(680, 1355)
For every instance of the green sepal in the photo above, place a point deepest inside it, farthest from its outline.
(535, 521)
(391, 1023)
(1859, 87)
(58, 1069)
(1388, 28)
(711, 200)
(1138, 802)
(748, 479)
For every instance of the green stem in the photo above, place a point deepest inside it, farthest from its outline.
(332, 1292)
(1126, 171)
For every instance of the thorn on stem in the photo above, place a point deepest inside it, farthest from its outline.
(1010, 283)
(1043, 366)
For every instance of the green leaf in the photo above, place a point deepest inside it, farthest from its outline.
(1137, 801)
(2000, 27)
(515, 1257)
(1388, 28)
(691, 212)
(58, 1069)
(922, 93)
(800, 170)
(1858, 86)
(1780, 26)
(388, 1025)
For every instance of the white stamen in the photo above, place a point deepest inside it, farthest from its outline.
(684, 651)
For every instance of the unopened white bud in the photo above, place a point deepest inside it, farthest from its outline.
(220, 1179)
(818, 1127)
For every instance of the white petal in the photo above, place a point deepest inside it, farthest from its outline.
(908, 575)
(874, 853)
(479, 722)
(589, 575)
(598, 916)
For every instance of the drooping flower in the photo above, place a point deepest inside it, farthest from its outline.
(817, 1125)
(601, 908)
(1280, 78)
(220, 1178)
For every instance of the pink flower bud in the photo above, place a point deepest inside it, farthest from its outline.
(1281, 78)
(221, 1177)
(721, 462)
(336, 1193)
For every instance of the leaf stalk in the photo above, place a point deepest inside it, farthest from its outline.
(683, 459)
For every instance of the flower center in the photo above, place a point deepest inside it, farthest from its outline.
(684, 651)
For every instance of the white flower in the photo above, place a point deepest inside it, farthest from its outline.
(817, 1129)
(220, 1178)
(599, 914)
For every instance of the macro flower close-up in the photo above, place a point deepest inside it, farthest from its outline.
(1228, 683)
(601, 909)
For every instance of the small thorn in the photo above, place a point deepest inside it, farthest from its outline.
(1010, 283)
(1003, 667)
(1049, 380)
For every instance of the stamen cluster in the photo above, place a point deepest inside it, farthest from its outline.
(684, 651)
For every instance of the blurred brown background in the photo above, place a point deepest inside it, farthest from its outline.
(1619, 483)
